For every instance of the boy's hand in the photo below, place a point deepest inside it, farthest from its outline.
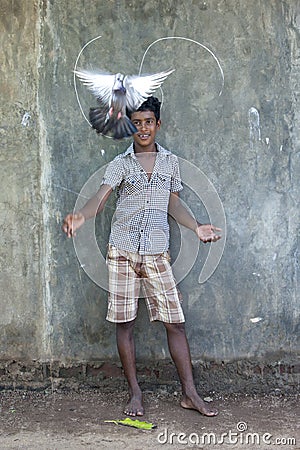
(207, 233)
(71, 223)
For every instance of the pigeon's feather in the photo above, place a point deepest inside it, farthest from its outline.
(123, 128)
(98, 119)
(104, 124)
(99, 83)
(140, 87)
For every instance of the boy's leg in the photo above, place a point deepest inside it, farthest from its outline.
(122, 309)
(126, 348)
(180, 353)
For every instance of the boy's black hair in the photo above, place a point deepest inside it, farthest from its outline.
(151, 104)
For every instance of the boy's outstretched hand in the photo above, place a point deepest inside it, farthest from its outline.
(71, 223)
(207, 233)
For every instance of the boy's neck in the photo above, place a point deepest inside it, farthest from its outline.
(148, 149)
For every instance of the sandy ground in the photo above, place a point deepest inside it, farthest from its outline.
(71, 420)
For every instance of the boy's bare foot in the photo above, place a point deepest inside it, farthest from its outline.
(135, 406)
(199, 405)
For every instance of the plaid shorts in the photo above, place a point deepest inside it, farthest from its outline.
(128, 273)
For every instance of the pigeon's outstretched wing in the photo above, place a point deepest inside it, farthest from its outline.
(99, 83)
(140, 87)
(114, 93)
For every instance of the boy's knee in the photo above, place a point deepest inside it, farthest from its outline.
(125, 326)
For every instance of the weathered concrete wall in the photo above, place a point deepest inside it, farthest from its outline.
(50, 309)
(22, 312)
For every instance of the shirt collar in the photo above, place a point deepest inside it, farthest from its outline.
(160, 150)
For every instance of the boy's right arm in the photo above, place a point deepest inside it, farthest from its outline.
(92, 207)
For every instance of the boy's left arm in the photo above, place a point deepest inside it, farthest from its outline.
(205, 232)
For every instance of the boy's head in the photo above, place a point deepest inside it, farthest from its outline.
(146, 119)
(151, 104)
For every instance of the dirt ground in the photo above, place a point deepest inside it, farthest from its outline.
(71, 420)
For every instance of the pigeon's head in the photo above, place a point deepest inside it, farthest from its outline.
(118, 85)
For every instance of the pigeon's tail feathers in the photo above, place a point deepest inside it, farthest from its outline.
(123, 128)
(118, 128)
(98, 119)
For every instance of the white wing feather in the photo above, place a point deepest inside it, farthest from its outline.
(99, 83)
(140, 87)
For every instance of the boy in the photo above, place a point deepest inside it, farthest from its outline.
(148, 182)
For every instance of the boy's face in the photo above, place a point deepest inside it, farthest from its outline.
(147, 126)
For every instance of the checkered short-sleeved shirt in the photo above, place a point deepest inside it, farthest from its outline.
(141, 219)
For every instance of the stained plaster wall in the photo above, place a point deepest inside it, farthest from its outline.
(50, 308)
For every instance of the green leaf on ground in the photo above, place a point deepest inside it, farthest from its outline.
(133, 423)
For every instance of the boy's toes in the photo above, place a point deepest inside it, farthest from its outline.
(134, 407)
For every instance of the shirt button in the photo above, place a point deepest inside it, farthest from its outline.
(142, 231)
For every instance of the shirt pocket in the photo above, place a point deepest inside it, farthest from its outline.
(132, 184)
(163, 182)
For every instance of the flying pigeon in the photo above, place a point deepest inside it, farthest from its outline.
(115, 93)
